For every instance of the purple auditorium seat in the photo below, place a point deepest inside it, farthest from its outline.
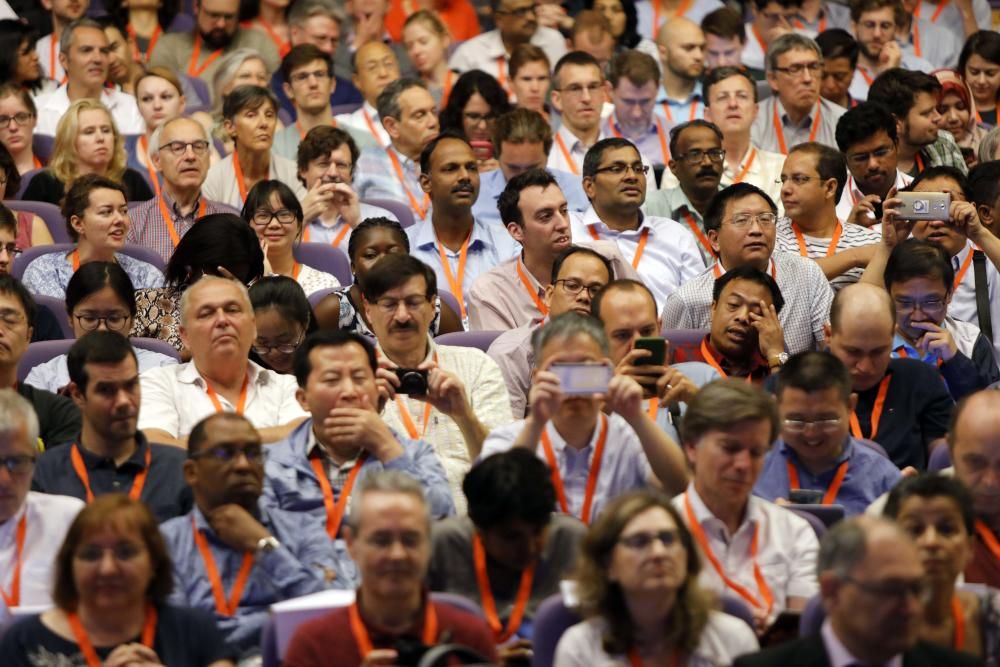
(480, 340)
(50, 215)
(324, 257)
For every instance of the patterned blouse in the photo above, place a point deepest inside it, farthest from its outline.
(49, 274)
(158, 315)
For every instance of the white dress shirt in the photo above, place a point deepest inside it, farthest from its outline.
(174, 399)
(571, 159)
(852, 194)
(48, 59)
(963, 299)
(366, 120)
(124, 110)
(486, 52)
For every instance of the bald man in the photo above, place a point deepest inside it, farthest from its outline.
(681, 44)
(375, 67)
(903, 404)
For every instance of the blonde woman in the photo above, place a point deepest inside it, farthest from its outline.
(87, 142)
(239, 68)
(426, 40)
(160, 97)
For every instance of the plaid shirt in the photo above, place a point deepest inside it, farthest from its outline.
(150, 230)
(943, 152)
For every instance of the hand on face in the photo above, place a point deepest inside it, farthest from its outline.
(770, 337)
(936, 341)
(236, 527)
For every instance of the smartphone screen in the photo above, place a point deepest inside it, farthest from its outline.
(583, 379)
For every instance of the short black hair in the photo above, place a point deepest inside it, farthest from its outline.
(862, 123)
(301, 364)
(392, 271)
(716, 75)
(942, 171)
(761, 4)
(197, 436)
(12, 286)
(285, 295)
(428, 152)
(592, 160)
(578, 58)
(509, 201)
(717, 207)
(620, 285)
(97, 347)
(677, 130)
(815, 371)
(513, 485)
(260, 197)
(219, 239)
(92, 277)
(897, 88)
(914, 258)
(566, 253)
(753, 275)
(830, 163)
(929, 485)
(838, 43)
(369, 224)
(984, 183)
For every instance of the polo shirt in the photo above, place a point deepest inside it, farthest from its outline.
(123, 107)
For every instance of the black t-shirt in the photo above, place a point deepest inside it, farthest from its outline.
(184, 638)
(47, 188)
(58, 417)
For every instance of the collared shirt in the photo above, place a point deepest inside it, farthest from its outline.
(319, 231)
(376, 177)
(938, 46)
(624, 465)
(786, 549)
(486, 52)
(851, 236)
(366, 122)
(174, 399)
(869, 475)
(676, 111)
(839, 656)
(492, 183)
(759, 369)
(488, 247)
(221, 184)
(570, 160)
(805, 289)
(696, 11)
(763, 132)
(669, 259)
(951, 19)
(652, 146)
(49, 274)
(672, 203)
(174, 50)
(165, 492)
(831, 15)
(287, 140)
(963, 300)
(863, 77)
(303, 564)
(53, 374)
(124, 110)
(487, 395)
(852, 193)
(515, 356)
(763, 170)
(149, 229)
(49, 517)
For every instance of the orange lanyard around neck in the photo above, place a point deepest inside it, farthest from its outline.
(87, 647)
(335, 509)
(830, 250)
(595, 471)
(692, 110)
(700, 235)
(371, 128)
(883, 390)
(958, 641)
(153, 180)
(963, 269)
(223, 607)
(660, 134)
(282, 46)
(364, 642)
(566, 154)
(456, 282)
(407, 418)
(766, 599)
(680, 11)
(500, 633)
(215, 397)
(168, 219)
(831, 493)
(81, 472)
(13, 599)
(523, 275)
(336, 240)
(420, 209)
(193, 68)
(779, 132)
(988, 538)
(743, 172)
(302, 130)
(641, 248)
(139, 56)
(240, 181)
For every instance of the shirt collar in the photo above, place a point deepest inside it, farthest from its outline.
(590, 217)
(175, 210)
(839, 656)
(694, 96)
(790, 454)
(136, 461)
(559, 444)
(677, 201)
(188, 374)
(431, 350)
(491, 45)
(806, 122)
(426, 239)
(703, 515)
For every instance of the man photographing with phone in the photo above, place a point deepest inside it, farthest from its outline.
(593, 456)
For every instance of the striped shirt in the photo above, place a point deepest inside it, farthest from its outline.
(851, 236)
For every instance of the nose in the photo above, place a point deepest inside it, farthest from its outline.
(865, 365)
(561, 222)
(990, 477)
(741, 460)
(107, 562)
(743, 314)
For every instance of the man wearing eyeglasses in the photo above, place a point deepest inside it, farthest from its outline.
(873, 23)
(232, 554)
(179, 149)
(740, 225)
(110, 454)
(517, 24)
(771, 19)
(45, 518)
(795, 113)
(578, 94)
(664, 254)
(816, 451)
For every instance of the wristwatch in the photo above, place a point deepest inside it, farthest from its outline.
(267, 544)
(777, 360)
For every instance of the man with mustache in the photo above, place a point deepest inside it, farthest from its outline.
(740, 223)
(216, 33)
(63, 12)
(868, 138)
(452, 241)
(110, 454)
(664, 254)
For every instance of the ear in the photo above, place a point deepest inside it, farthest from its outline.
(76, 394)
(183, 106)
(155, 159)
(556, 99)
(77, 224)
(588, 187)
(829, 587)
(391, 126)
(547, 297)
(183, 334)
(349, 539)
(771, 79)
(827, 332)
(708, 115)
(229, 127)
(300, 396)
(516, 232)
(190, 472)
(425, 183)
(900, 126)
(690, 452)
(713, 239)
(672, 165)
(852, 401)
(369, 310)
(831, 188)
(662, 50)
(63, 60)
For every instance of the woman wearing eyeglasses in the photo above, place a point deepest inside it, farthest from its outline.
(284, 318)
(474, 104)
(98, 296)
(638, 586)
(26, 228)
(274, 213)
(18, 117)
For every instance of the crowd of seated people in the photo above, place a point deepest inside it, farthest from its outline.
(632, 332)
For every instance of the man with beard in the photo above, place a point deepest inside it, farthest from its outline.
(451, 240)
(795, 113)
(873, 23)
(912, 97)
(63, 12)
(682, 53)
(110, 455)
(664, 254)
(696, 159)
(216, 33)
(578, 94)
(634, 83)
(868, 138)
(725, 38)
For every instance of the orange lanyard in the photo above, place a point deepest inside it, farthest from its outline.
(222, 606)
(336, 241)
(760, 39)
(963, 269)
(654, 407)
(865, 75)
(937, 11)
(407, 419)
(421, 208)
(746, 167)
(831, 492)
(706, 354)
(364, 642)
(988, 538)
(371, 128)
(819, 28)
(153, 180)
(916, 32)
(830, 250)
(500, 633)
(446, 88)
(87, 648)
(215, 398)
(901, 351)
(766, 600)
(780, 133)
(74, 258)
(168, 219)
(635, 661)
(680, 11)
(883, 390)
(595, 471)
(566, 154)
(14, 598)
(542, 308)
(36, 161)
(335, 510)
(81, 473)
(979, 119)
(302, 130)
(501, 66)
(641, 248)
(691, 111)
(455, 283)
(139, 56)
(700, 235)
(282, 46)
(240, 182)
(956, 613)
(918, 162)
(193, 69)
(53, 45)
(660, 134)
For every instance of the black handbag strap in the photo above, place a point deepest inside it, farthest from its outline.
(982, 294)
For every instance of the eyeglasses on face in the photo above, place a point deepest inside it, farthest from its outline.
(815, 68)
(20, 118)
(744, 220)
(621, 168)
(389, 306)
(644, 540)
(281, 348)
(574, 286)
(178, 148)
(18, 464)
(115, 321)
(800, 425)
(227, 454)
(284, 216)
(10, 248)
(696, 155)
